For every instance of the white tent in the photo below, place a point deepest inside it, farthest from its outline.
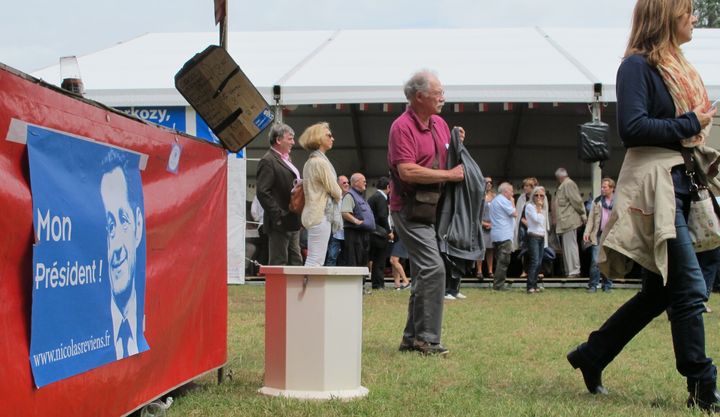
(332, 69)
(368, 66)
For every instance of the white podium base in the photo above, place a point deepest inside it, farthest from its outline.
(344, 395)
(313, 332)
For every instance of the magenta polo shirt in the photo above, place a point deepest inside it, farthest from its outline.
(410, 142)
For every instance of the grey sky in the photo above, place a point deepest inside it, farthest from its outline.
(35, 33)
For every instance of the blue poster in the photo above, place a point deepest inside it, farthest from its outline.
(88, 292)
(172, 116)
(203, 131)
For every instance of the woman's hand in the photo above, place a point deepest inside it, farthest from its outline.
(704, 117)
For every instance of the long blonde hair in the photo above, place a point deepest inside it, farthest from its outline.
(653, 28)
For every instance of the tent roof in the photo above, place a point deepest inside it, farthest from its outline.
(370, 66)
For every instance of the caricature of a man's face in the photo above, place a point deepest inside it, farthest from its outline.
(124, 231)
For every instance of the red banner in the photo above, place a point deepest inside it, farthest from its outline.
(186, 291)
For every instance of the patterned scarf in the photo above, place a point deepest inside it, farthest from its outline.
(605, 204)
(687, 90)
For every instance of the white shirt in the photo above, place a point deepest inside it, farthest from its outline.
(117, 318)
(535, 220)
(256, 210)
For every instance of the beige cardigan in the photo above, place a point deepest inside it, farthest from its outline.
(319, 184)
(643, 216)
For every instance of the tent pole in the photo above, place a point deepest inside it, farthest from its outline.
(224, 45)
(224, 27)
(595, 171)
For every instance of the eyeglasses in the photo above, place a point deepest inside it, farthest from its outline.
(539, 195)
(436, 93)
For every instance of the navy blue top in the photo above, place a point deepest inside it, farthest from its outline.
(645, 108)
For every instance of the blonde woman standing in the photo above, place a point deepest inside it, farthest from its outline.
(535, 216)
(321, 215)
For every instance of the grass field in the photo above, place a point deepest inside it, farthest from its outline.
(507, 358)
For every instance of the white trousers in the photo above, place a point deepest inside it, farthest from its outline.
(317, 241)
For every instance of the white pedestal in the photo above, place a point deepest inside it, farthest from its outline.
(313, 332)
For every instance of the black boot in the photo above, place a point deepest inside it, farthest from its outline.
(591, 376)
(704, 395)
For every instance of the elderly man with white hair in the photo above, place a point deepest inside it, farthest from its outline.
(569, 214)
(417, 156)
(502, 217)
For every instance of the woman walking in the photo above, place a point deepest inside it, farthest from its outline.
(662, 108)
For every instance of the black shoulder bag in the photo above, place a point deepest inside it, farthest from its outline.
(421, 205)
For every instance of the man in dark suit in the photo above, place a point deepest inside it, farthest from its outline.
(275, 176)
(378, 203)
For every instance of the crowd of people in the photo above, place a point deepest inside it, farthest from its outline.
(362, 233)
(664, 116)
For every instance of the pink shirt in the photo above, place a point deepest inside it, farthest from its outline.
(605, 216)
(286, 159)
(410, 142)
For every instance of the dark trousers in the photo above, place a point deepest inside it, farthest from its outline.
(595, 274)
(453, 276)
(710, 265)
(378, 256)
(356, 247)
(503, 253)
(284, 248)
(334, 252)
(425, 306)
(682, 298)
(536, 249)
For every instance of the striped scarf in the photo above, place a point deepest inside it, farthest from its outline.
(687, 90)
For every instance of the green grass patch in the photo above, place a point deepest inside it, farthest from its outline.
(507, 358)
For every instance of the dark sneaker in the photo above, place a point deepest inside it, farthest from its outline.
(426, 348)
(406, 345)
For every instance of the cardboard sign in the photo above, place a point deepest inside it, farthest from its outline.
(220, 92)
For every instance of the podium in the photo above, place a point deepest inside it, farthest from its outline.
(313, 332)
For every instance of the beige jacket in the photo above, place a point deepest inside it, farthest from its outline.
(643, 216)
(322, 192)
(593, 223)
(569, 207)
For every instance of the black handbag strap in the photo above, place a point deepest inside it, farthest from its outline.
(696, 184)
(436, 161)
(689, 160)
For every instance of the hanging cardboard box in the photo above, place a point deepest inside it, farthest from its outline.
(224, 97)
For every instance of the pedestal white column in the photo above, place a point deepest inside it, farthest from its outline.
(313, 331)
